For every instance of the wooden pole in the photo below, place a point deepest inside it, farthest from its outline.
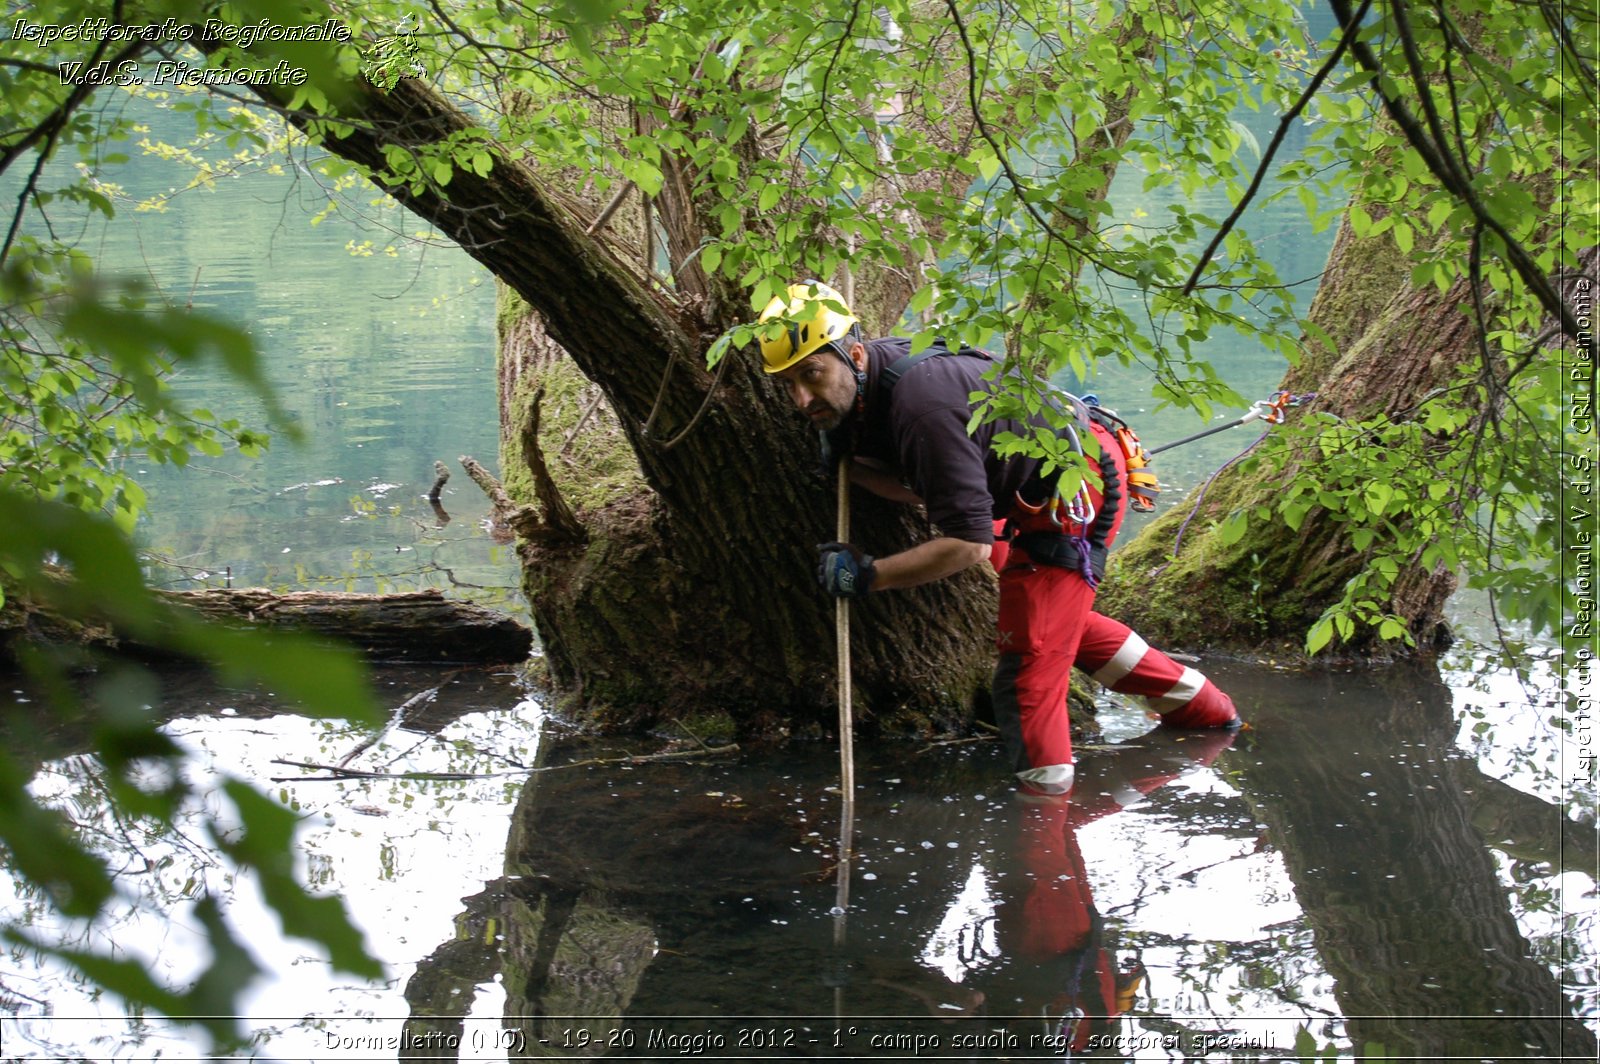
(847, 754)
(847, 757)
(847, 765)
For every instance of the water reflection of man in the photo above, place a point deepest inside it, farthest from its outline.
(1057, 926)
(1045, 950)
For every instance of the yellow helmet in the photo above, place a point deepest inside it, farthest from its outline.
(810, 328)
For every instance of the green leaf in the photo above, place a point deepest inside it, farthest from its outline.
(763, 292)
(43, 848)
(718, 350)
(1377, 496)
(647, 176)
(988, 164)
(266, 845)
(108, 582)
(1232, 529)
(1319, 636)
(1404, 238)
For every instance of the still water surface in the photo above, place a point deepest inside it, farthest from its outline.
(1346, 871)
(378, 342)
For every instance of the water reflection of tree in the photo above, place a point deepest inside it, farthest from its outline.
(624, 888)
(594, 890)
(1387, 831)
(667, 892)
(160, 868)
(678, 900)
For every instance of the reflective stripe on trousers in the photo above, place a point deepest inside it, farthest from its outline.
(1048, 625)
(1114, 655)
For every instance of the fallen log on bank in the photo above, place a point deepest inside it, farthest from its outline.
(415, 627)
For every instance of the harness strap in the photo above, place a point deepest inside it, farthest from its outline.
(1085, 552)
(890, 374)
(1066, 551)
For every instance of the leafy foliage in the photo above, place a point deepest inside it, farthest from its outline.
(1489, 193)
(953, 146)
(83, 365)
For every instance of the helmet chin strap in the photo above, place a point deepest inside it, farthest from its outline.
(859, 374)
(841, 438)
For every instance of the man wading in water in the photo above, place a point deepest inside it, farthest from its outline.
(904, 419)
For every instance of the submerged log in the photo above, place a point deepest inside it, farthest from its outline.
(441, 477)
(413, 627)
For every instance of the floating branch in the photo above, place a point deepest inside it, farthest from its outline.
(339, 772)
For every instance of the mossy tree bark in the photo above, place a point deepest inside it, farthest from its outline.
(1382, 346)
(1184, 580)
(692, 590)
(689, 588)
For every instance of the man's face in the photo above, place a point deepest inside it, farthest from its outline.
(822, 387)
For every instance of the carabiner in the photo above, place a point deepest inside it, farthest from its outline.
(1081, 509)
(1264, 410)
(1272, 410)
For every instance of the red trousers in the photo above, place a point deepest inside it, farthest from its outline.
(1047, 626)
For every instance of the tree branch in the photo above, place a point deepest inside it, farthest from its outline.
(1435, 157)
(340, 772)
(1272, 148)
(56, 120)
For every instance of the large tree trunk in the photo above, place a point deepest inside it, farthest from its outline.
(1393, 344)
(706, 605)
(688, 586)
(693, 591)
(688, 589)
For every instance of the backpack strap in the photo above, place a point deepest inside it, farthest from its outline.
(890, 374)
